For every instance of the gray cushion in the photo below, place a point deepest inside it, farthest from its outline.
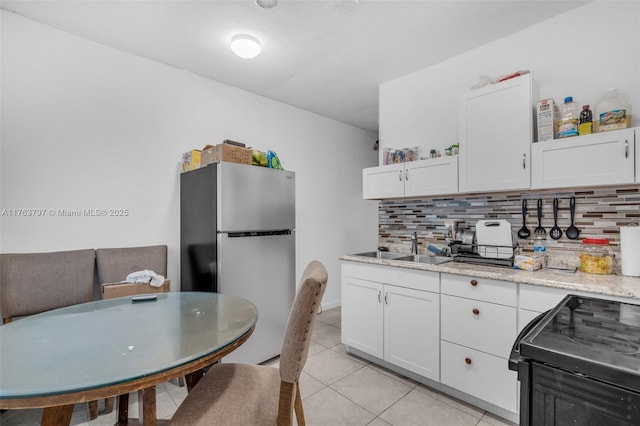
(114, 264)
(31, 283)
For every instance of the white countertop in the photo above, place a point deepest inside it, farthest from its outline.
(610, 285)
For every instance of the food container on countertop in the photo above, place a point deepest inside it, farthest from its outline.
(596, 257)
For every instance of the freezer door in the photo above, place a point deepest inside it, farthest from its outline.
(252, 198)
(261, 269)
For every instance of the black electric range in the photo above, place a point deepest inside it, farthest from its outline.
(579, 364)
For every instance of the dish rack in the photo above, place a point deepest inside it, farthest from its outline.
(473, 256)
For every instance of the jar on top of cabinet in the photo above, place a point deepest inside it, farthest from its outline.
(596, 257)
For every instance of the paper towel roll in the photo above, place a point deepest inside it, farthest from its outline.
(630, 250)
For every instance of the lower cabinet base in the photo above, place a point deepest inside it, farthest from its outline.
(481, 404)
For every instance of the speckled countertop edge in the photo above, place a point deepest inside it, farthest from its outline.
(610, 285)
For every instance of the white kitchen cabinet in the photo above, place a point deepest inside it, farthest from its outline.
(387, 313)
(415, 178)
(495, 131)
(410, 335)
(383, 182)
(362, 315)
(478, 328)
(598, 159)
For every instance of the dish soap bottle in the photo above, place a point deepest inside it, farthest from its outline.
(586, 121)
(569, 116)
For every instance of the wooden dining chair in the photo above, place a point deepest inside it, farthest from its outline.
(250, 395)
(114, 264)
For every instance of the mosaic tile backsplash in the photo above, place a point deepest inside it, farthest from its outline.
(599, 214)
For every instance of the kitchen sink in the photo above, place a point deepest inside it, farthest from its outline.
(425, 258)
(381, 255)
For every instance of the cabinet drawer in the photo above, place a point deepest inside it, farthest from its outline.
(484, 289)
(539, 298)
(408, 278)
(482, 375)
(480, 325)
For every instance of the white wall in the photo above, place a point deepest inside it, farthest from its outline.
(581, 53)
(88, 126)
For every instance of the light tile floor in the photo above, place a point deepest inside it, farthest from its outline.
(337, 389)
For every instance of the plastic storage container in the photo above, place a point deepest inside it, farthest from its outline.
(569, 116)
(596, 257)
(613, 112)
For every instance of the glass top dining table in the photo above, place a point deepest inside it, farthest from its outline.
(108, 347)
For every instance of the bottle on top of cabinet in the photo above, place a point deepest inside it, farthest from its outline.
(613, 111)
(586, 121)
(569, 116)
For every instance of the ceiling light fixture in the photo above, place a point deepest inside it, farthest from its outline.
(266, 4)
(245, 46)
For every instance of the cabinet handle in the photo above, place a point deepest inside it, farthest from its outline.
(524, 160)
(626, 148)
(468, 361)
(474, 283)
(386, 298)
(379, 296)
(476, 311)
(400, 176)
(406, 175)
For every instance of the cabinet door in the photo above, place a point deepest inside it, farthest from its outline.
(598, 159)
(411, 330)
(495, 132)
(383, 182)
(362, 315)
(431, 177)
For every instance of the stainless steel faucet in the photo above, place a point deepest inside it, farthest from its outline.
(414, 243)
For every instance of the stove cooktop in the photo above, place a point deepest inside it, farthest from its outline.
(596, 337)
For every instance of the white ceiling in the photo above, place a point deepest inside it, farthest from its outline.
(328, 57)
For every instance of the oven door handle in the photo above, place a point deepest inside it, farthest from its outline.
(515, 358)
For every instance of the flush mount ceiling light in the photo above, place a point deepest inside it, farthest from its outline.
(245, 46)
(266, 4)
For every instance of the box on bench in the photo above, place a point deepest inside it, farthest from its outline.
(112, 290)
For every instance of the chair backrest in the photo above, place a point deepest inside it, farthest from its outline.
(114, 264)
(31, 283)
(301, 320)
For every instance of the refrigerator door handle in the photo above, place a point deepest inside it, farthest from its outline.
(256, 233)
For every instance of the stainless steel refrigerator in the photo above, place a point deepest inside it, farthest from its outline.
(237, 226)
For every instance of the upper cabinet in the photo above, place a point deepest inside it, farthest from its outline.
(495, 131)
(412, 179)
(591, 160)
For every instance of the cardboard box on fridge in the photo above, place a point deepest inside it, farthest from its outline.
(191, 160)
(112, 290)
